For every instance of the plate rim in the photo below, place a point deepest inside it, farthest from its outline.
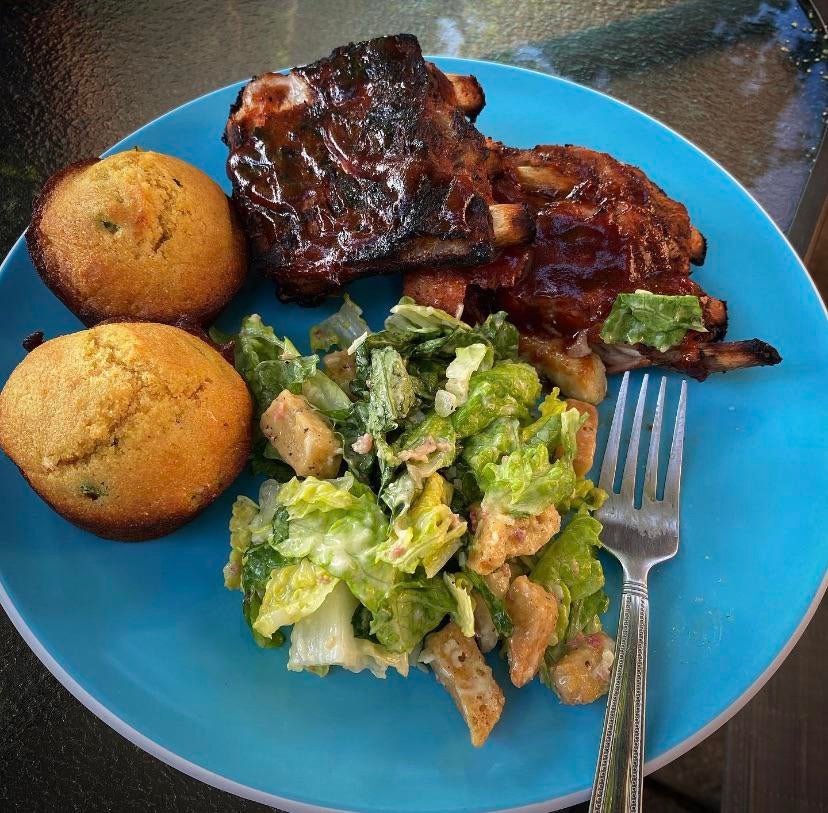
(220, 782)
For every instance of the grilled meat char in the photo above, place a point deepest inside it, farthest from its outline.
(364, 162)
(602, 228)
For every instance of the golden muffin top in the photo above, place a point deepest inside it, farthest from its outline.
(139, 235)
(126, 426)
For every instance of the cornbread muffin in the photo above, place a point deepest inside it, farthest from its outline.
(128, 429)
(139, 235)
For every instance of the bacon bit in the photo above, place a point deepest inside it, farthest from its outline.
(419, 454)
(363, 444)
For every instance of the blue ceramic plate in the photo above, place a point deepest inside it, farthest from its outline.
(148, 638)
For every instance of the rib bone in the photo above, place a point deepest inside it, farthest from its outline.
(469, 94)
(511, 224)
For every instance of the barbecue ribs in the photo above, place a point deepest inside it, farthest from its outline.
(364, 162)
(602, 228)
(368, 162)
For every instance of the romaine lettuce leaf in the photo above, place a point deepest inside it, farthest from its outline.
(409, 611)
(467, 360)
(428, 534)
(556, 427)
(408, 317)
(463, 614)
(570, 558)
(497, 608)
(341, 329)
(338, 525)
(326, 638)
(390, 398)
(292, 592)
(427, 447)
(524, 483)
(656, 320)
(258, 564)
(509, 389)
(499, 438)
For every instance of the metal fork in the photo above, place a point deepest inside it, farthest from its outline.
(639, 538)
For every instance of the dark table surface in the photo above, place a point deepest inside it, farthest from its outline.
(745, 80)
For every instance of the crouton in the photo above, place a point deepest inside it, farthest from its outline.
(586, 438)
(498, 580)
(583, 674)
(583, 377)
(499, 537)
(462, 670)
(302, 436)
(534, 613)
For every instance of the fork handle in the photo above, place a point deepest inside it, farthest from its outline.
(619, 773)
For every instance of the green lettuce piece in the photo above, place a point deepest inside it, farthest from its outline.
(524, 483)
(409, 611)
(556, 427)
(244, 510)
(390, 398)
(427, 374)
(428, 534)
(327, 396)
(351, 430)
(656, 320)
(467, 360)
(497, 608)
(427, 447)
(586, 495)
(499, 438)
(509, 389)
(326, 638)
(341, 329)
(463, 614)
(258, 564)
(498, 331)
(423, 320)
(292, 592)
(338, 525)
(570, 559)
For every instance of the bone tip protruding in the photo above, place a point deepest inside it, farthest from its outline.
(512, 224)
(698, 246)
(468, 93)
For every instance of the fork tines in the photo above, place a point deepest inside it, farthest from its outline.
(628, 479)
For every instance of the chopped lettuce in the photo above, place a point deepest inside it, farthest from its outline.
(427, 447)
(525, 483)
(656, 320)
(556, 427)
(428, 534)
(390, 398)
(509, 389)
(487, 447)
(338, 525)
(409, 611)
(341, 329)
(292, 592)
(497, 608)
(570, 558)
(463, 614)
(437, 419)
(467, 360)
(326, 638)
(408, 317)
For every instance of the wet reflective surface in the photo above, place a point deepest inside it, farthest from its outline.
(745, 80)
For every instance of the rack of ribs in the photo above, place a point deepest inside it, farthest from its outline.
(368, 162)
(362, 163)
(601, 228)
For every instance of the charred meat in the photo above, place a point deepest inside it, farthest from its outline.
(602, 228)
(364, 162)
